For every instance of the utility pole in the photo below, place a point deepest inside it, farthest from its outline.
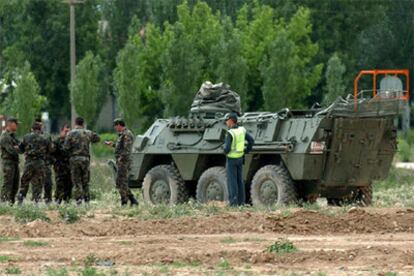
(72, 4)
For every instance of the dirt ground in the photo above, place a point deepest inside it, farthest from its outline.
(354, 242)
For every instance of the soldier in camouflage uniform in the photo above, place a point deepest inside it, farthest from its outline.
(34, 145)
(48, 184)
(77, 144)
(61, 167)
(123, 148)
(9, 146)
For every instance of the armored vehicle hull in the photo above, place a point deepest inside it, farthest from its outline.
(336, 152)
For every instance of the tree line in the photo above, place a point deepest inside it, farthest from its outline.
(154, 54)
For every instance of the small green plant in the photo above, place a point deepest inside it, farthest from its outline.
(8, 239)
(57, 272)
(4, 258)
(282, 246)
(90, 271)
(404, 150)
(228, 240)
(28, 213)
(224, 264)
(90, 260)
(6, 209)
(391, 273)
(12, 270)
(35, 243)
(69, 213)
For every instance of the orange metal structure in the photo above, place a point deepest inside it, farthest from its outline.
(375, 73)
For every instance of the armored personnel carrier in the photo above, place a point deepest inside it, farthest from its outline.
(334, 152)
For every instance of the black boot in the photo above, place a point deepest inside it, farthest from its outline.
(20, 198)
(133, 200)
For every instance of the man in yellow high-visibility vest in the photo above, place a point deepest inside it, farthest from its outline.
(235, 148)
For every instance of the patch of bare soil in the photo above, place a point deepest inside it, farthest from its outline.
(361, 241)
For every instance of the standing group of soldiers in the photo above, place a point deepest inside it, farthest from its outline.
(69, 154)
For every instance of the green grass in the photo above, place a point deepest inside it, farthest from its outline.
(32, 243)
(90, 271)
(28, 213)
(90, 260)
(70, 213)
(4, 258)
(12, 270)
(8, 239)
(228, 240)
(57, 272)
(224, 264)
(282, 246)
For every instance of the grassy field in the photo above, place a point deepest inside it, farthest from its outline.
(396, 191)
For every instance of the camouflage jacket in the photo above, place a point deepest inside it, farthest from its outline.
(8, 141)
(78, 140)
(48, 157)
(60, 156)
(35, 146)
(123, 146)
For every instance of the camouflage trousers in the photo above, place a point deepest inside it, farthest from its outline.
(11, 176)
(63, 181)
(79, 171)
(34, 173)
(122, 181)
(48, 184)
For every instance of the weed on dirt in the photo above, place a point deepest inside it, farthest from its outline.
(8, 239)
(57, 272)
(35, 243)
(282, 246)
(12, 270)
(28, 213)
(4, 258)
(70, 213)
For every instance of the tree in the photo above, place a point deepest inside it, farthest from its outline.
(228, 62)
(24, 102)
(137, 76)
(37, 31)
(85, 90)
(280, 75)
(182, 71)
(186, 60)
(287, 69)
(334, 76)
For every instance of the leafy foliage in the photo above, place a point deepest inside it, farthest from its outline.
(282, 246)
(85, 90)
(334, 79)
(156, 53)
(24, 102)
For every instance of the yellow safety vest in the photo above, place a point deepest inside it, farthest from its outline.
(238, 142)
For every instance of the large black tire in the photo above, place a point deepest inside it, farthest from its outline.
(212, 185)
(163, 185)
(272, 185)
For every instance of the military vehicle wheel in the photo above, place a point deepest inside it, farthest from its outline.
(164, 185)
(212, 185)
(272, 185)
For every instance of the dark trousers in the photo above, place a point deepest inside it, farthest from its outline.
(235, 185)
(48, 184)
(11, 180)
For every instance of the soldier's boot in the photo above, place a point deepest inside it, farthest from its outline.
(20, 198)
(133, 200)
(124, 203)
